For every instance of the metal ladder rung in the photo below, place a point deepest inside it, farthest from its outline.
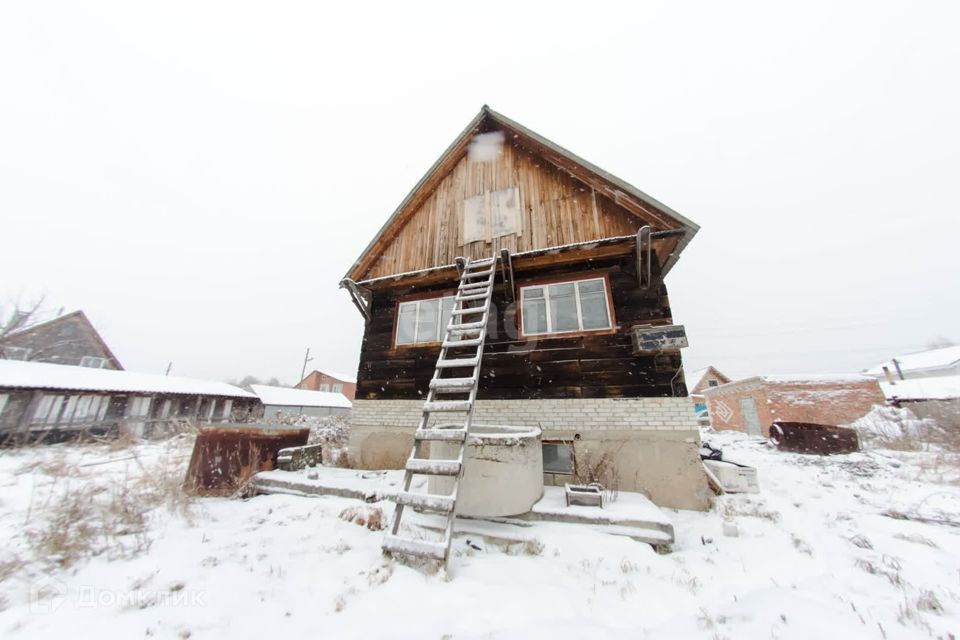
(457, 363)
(470, 342)
(463, 328)
(472, 311)
(433, 467)
(453, 384)
(441, 435)
(479, 274)
(425, 501)
(410, 547)
(447, 405)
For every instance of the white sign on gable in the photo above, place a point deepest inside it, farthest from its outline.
(505, 212)
(491, 215)
(474, 219)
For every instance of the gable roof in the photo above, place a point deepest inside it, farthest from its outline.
(660, 216)
(80, 315)
(284, 397)
(17, 374)
(922, 360)
(342, 377)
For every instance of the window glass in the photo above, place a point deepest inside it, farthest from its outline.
(446, 306)
(406, 323)
(563, 308)
(92, 362)
(337, 388)
(593, 304)
(557, 457)
(325, 387)
(424, 321)
(428, 319)
(534, 313)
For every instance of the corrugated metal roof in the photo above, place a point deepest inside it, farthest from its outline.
(15, 374)
(286, 397)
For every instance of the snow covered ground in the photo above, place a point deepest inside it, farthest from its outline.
(818, 555)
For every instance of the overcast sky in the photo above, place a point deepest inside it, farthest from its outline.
(198, 176)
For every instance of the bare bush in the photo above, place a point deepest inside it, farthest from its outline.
(894, 428)
(600, 469)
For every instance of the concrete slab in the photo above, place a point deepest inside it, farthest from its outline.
(631, 514)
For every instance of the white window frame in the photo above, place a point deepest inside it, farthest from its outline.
(440, 328)
(545, 286)
(324, 387)
(17, 353)
(93, 362)
(337, 388)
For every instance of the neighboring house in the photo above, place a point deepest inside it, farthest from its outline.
(299, 402)
(923, 364)
(576, 275)
(38, 397)
(68, 339)
(330, 381)
(699, 381)
(753, 404)
(937, 398)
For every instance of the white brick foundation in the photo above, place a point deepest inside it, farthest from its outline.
(587, 415)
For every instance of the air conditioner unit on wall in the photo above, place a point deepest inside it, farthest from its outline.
(650, 339)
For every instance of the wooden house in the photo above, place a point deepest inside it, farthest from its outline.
(582, 341)
(67, 339)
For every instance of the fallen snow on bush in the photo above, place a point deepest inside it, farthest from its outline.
(855, 546)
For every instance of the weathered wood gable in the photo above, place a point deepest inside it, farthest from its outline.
(563, 200)
(555, 209)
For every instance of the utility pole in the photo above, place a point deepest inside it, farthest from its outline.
(169, 366)
(306, 359)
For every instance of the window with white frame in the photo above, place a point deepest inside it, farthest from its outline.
(565, 307)
(423, 321)
(93, 362)
(324, 387)
(16, 353)
(337, 388)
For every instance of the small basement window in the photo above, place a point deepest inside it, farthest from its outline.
(565, 307)
(423, 321)
(558, 457)
(93, 362)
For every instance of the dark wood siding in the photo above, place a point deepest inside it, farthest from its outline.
(583, 366)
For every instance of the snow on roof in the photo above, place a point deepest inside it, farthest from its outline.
(932, 359)
(933, 388)
(815, 378)
(285, 397)
(694, 377)
(40, 375)
(345, 377)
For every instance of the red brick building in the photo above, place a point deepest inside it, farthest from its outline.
(330, 381)
(753, 404)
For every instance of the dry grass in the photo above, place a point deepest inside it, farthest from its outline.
(365, 516)
(106, 515)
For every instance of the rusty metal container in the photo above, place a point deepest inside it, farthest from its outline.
(809, 437)
(224, 458)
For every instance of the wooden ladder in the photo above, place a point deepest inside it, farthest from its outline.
(466, 332)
